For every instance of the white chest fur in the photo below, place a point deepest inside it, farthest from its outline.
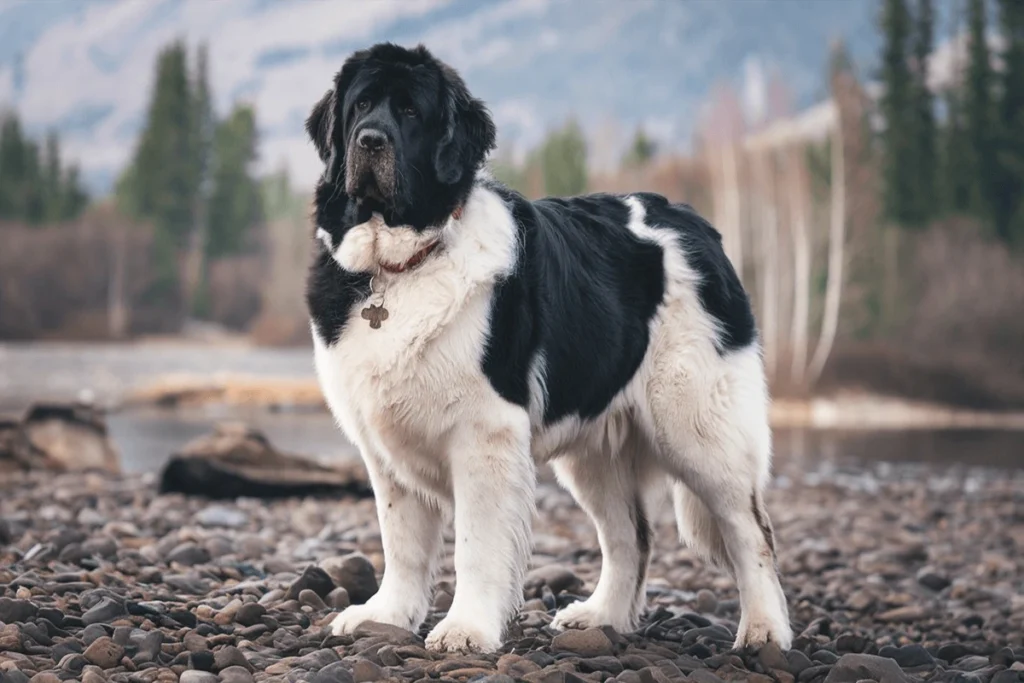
(399, 390)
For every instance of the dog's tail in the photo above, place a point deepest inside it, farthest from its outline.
(697, 528)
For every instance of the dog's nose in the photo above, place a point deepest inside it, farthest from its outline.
(371, 140)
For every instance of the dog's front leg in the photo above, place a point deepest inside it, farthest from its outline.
(410, 528)
(493, 480)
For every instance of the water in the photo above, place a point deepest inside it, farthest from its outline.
(146, 438)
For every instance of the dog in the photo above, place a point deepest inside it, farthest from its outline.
(463, 335)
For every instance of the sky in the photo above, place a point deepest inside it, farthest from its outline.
(85, 67)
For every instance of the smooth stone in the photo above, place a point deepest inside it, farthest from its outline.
(338, 599)
(230, 656)
(855, 667)
(393, 635)
(236, 674)
(592, 642)
(334, 673)
(104, 653)
(771, 657)
(12, 611)
(354, 573)
(221, 515)
(311, 599)
(107, 610)
(250, 614)
(188, 554)
(313, 578)
(45, 677)
(931, 579)
(366, 671)
(556, 577)
(193, 676)
(707, 603)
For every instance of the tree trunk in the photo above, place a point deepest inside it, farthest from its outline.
(801, 267)
(837, 237)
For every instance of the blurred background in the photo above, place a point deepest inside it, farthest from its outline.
(863, 159)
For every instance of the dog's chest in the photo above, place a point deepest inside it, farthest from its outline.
(398, 389)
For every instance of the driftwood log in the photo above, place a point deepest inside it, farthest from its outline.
(57, 437)
(236, 461)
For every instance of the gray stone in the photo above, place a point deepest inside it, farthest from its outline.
(354, 573)
(855, 667)
(193, 676)
(107, 610)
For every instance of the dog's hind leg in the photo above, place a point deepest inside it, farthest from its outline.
(711, 427)
(610, 487)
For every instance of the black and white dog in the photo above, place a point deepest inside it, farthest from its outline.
(464, 334)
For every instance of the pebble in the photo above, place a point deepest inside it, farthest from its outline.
(591, 642)
(193, 676)
(354, 573)
(104, 653)
(878, 589)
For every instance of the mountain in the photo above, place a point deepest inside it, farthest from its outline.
(85, 67)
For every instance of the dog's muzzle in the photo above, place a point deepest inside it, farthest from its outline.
(370, 165)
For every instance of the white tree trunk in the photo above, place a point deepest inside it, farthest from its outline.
(798, 197)
(837, 238)
(731, 233)
(768, 221)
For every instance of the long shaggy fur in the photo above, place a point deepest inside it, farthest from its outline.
(606, 335)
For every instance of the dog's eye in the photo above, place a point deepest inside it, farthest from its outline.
(363, 104)
(409, 111)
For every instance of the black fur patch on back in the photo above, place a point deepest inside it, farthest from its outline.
(720, 291)
(582, 296)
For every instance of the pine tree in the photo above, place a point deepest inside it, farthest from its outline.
(641, 151)
(53, 180)
(923, 118)
(1009, 194)
(162, 181)
(897, 107)
(564, 161)
(235, 200)
(979, 114)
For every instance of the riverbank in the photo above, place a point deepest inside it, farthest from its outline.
(910, 566)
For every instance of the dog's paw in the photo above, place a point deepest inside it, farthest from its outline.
(589, 614)
(757, 631)
(349, 619)
(459, 634)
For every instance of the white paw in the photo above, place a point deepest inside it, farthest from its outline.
(591, 614)
(349, 619)
(756, 631)
(459, 634)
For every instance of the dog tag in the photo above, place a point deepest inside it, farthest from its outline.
(375, 314)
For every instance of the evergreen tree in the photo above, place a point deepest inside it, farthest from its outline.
(1009, 192)
(235, 200)
(897, 106)
(564, 161)
(979, 114)
(641, 151)
(162, 182)
(53, 180)
(923, 125)
(955, 179)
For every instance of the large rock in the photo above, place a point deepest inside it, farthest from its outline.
(238, 461)
(57, 437)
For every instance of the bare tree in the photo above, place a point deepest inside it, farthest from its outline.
(837, 238)
(796, 181)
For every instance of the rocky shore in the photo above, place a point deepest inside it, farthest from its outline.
(893, 574)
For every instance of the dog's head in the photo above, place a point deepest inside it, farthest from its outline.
(400, 134)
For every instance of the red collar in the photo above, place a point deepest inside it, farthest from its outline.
(416, 259)
(420, 255)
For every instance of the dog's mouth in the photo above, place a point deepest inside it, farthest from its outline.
(371, 176)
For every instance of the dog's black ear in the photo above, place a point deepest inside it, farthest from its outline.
(468, 131)
(320, 126)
